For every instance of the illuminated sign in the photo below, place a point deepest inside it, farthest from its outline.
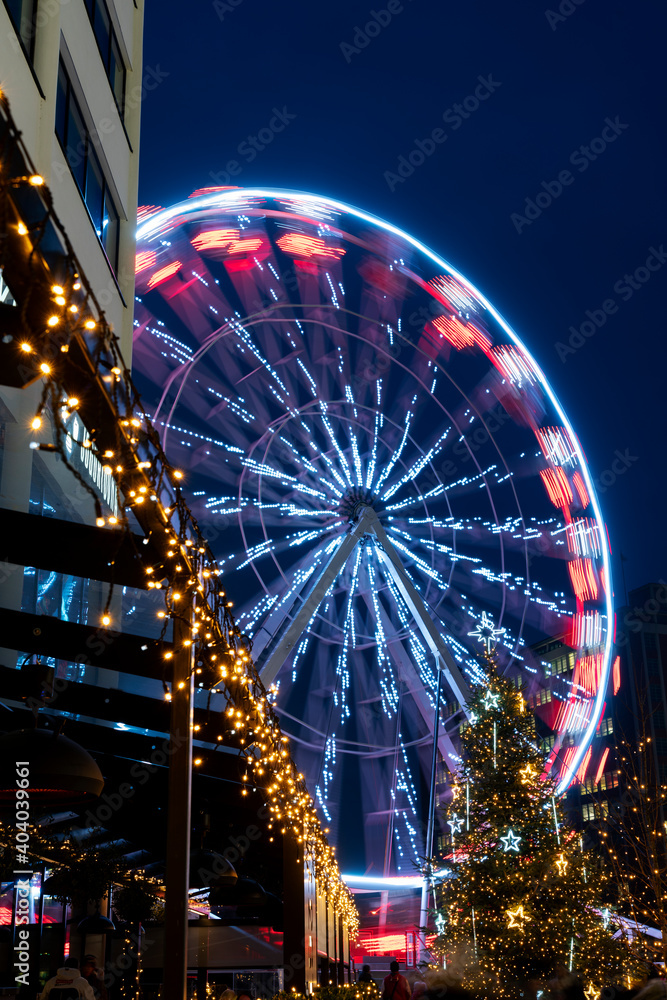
(85, 461)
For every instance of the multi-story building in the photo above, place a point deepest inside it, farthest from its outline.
(72, 74)
(636, 697)
(642, 643)
(597, 771)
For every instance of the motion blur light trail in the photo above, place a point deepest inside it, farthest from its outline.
(315, 370)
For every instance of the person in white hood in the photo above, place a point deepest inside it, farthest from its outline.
(67, 984)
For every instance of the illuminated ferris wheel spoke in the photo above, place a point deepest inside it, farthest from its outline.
(419, 685)
(377, 482)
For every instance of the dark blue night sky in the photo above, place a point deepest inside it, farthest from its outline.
(530, 142)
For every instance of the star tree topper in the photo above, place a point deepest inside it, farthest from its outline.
(486, 633)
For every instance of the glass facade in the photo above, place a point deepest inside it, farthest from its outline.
(22, 13)
(79, 149)
(107, 43)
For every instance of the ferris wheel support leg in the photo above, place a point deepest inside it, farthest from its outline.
(415, 686)
(285, 638)
(392, 561)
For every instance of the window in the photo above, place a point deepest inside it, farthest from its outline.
(608, 780)
(547, 742)
(84, 163)
(6, 296)
(590, 810)
(22, 13)
(542, 697)
(560, 665)
(606, 727)
(107, 43)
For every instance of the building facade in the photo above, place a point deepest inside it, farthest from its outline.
(72, 72)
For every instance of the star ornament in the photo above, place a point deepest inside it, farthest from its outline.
(510, 842)
(592, 993)
(455, 823)
(485, 632)
(490, 700)
(516, 918)
(561, 865)
(527, 774)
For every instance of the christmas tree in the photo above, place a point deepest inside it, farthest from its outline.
(521, 894)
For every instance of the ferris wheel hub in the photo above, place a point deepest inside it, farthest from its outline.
(354, 502)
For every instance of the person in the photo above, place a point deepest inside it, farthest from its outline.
(396, 986)
(365, 975)
(90, 973)
(67, 984)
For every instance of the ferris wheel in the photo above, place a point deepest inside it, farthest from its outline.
(387, 480)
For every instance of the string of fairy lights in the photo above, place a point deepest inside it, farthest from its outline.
(72, 345)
